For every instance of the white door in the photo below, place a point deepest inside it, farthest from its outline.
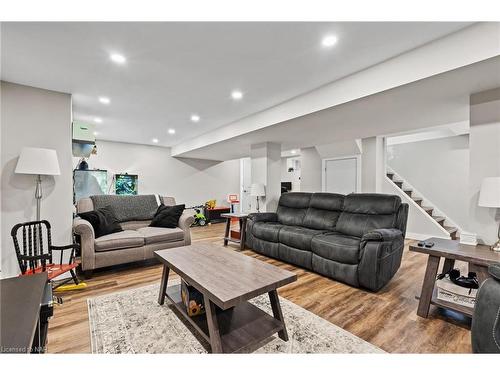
(340, 175)
(245, 182)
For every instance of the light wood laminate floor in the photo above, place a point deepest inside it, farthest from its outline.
(386, 319)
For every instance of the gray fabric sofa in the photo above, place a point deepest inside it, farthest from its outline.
(357, 239)
(136, 242)
(486, 319)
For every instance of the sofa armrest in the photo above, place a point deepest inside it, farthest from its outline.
(263, 216)
(380, 255)
(87, 237)
(494, 270)
(184, 223)
(386, 235)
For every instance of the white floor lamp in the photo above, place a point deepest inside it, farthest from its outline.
(38, 161)
(489, 196)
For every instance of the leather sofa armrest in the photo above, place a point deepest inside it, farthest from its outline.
(382, 235)
(184, 223)
(494, 270)
(87, 237)
(263, 216)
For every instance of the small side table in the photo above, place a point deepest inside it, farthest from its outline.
(478, 257)
(242, 218)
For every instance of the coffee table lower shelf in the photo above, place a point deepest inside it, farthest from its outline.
(467, 311)
(240, 327)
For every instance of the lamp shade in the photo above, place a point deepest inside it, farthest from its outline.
(38, 161)
(258, 190)
(489, 196)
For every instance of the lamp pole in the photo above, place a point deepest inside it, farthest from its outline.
(38, 196)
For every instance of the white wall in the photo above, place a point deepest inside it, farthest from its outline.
(372, 164)
(33, 117)
(266, 169)
(439, 170)
(293, 177)
(484, 161)
(189, 181)
(310, 170)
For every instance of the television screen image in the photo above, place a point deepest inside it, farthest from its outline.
(126, 184)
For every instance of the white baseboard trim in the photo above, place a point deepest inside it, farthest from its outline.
(420, 236)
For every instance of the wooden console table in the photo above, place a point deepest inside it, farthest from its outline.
(478, 258)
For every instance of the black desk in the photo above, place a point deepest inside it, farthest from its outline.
(20, 302)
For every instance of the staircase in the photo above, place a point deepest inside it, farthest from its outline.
(453, 231)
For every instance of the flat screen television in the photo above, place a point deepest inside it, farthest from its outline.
(126, 184)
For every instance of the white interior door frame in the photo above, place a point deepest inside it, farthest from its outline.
(358, 170)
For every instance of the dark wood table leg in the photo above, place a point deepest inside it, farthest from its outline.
(275, 305)
(448, 265)
(428, 286)
(481, 272)
(228, 228)
(213, 325)
(243, 224)
(163, 285)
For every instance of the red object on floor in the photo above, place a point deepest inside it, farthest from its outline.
(53, 270)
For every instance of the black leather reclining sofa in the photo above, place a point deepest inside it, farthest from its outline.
(357, 239)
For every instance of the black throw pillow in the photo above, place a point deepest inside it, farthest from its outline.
(167, 216)
(103, 220)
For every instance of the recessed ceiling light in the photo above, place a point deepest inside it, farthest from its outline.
(329, 41)
(195, 118)
(96, 133)
(293, 151)
(171, 131)
(117, 58)
(155, 140)
(98, 120)
(104, 100)
(236, 95)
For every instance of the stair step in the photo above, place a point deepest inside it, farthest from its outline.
(399, 183)
(390, 175)
(408, 192)
(452, 231)
(417, 200)
(428, 209)
(439, 219)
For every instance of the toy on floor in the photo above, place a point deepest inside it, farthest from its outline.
(200, 219)
(211, 203)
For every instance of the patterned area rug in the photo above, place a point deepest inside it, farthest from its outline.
(132, 322)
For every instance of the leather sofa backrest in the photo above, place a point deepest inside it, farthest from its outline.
(85, 205)
(292, 208)
(365, 212)
(324, 211)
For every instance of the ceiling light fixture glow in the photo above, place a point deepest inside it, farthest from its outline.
(96, 133)
(171, 131)
(329, 41)
(155, 140)
(195, 118)
(98, 120)
(117, 58)
(237, 95)
(104, 100)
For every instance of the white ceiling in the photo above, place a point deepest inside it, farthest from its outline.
(176, 69)
(439, 100)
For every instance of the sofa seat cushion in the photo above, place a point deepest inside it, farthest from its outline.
(158, 234)
(267, 231)
(119, 240)
(298, 237)
(337, 247)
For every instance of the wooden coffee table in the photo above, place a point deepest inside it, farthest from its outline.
(227, 280)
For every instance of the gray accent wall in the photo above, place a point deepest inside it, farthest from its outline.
(32, 117)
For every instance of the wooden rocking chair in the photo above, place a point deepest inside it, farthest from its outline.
(35, 257)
